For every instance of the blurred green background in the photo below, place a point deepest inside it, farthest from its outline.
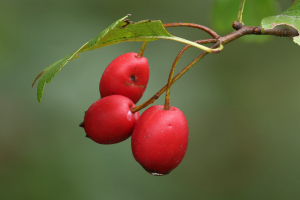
(242, 105)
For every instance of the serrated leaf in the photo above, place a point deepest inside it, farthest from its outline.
(120, 31)
(290, 17)
(117, 32)
(140, 31)
(226, 11)
(48, 73)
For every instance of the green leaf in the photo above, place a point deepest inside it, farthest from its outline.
(226, 11)
(290, 17)
(124, 31)
(117, 32)
(120, 31)
(48, 73)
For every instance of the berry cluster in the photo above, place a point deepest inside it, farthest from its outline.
(159, 136)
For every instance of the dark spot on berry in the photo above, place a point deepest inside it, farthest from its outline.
(132, 78)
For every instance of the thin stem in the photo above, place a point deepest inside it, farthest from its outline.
(141, 52)
(204, 28)
(167, 99)
(241, 10)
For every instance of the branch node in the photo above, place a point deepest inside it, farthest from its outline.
(155, 96)
(237, 25)
(257, 30)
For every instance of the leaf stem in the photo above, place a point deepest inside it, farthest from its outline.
(241, 10)
(141, 52)
(167, 99)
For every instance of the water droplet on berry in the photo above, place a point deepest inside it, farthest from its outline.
(129, 115)
(156, 174)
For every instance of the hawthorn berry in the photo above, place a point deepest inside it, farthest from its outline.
(126, 75)
(160, 139)
(109, 120)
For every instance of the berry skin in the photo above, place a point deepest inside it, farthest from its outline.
(126, 75)
(159, 139)
(109, 120)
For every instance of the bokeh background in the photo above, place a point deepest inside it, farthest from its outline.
(242, 105)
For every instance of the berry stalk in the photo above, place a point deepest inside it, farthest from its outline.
(241, 10)
(141, 52)
(204, 28)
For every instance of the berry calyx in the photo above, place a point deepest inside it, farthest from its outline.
(159, 139)
(126, 75)
(109, 120)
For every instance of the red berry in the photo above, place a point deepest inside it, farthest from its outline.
(109, 120)
(126, 75)
(159, 139)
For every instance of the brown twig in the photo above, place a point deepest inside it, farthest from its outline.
(281, 32)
